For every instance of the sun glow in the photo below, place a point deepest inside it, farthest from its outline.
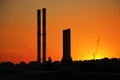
(90, 56)
(99, 56)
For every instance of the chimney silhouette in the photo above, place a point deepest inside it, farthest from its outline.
(44, 34)
(38, 36)
(66, 47)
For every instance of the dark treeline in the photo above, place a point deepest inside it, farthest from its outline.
(99, 65)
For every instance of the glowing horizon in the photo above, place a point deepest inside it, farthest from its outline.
(88, 20)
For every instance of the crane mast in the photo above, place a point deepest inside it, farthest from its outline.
(96, 50)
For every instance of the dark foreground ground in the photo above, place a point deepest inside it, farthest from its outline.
(58, 75)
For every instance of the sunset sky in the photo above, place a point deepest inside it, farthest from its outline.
(88, 20)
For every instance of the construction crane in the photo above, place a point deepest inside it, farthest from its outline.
(96, 50)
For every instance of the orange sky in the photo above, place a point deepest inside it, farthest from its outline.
(88, 20)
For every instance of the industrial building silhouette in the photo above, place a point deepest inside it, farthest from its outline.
(66, 40)
(66, 46)
(83, 70)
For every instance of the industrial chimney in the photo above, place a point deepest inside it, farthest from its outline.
(44, 34)
(66, 47)
(38, 35)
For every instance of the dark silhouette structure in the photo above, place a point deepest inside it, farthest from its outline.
(66, 47)
(96, 69)
(44, 35)
(101, 69)
(38, 36)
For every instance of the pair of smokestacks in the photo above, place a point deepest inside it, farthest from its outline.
(43, 11)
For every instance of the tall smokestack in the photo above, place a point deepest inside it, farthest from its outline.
(38, 35)
(44, 35)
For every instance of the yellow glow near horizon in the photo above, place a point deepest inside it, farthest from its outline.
(88, 20)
